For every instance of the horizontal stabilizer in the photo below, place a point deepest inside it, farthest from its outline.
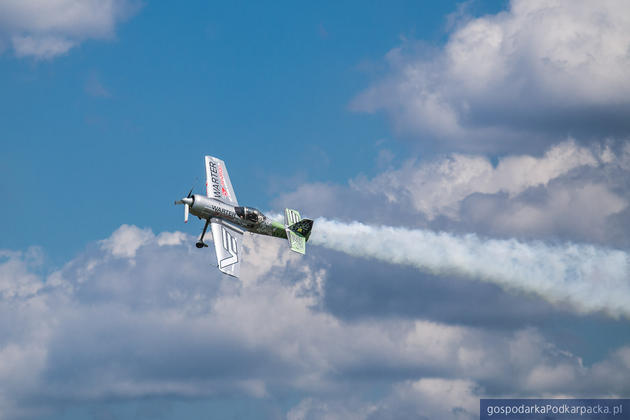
(297, 242)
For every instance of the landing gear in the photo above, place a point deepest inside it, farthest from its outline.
(200, 243)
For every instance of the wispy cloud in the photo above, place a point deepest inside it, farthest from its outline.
(94, 87)
(45, 30)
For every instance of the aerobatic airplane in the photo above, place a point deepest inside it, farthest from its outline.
(229, 221)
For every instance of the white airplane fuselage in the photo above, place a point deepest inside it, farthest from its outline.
(250, 219)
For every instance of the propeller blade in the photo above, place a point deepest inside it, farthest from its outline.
(189, 192)
(186, 210)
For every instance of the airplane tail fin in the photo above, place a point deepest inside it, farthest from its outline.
(298, 230)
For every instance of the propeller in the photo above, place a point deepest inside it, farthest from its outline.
(187, 202)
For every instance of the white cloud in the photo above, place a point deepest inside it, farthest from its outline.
(126, 240)
(317, 409)
(570, 192)
(426, 398)
(94, 87)
(576, 208)
(16, 278)
(172, 238)
(502, 80)
(547, 372)
(40, 46)
(48, 28)
(438, 187)
(438, 398)
(157, 319)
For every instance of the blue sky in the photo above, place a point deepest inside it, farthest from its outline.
(114, 129)
(492, 135)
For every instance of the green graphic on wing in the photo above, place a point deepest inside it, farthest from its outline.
(297, 242)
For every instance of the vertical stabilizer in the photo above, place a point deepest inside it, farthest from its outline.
(291, 217)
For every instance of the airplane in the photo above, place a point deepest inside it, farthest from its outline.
(229, 221)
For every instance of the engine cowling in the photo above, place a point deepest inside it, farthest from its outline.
(201, 206)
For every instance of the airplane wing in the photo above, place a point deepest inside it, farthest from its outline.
(227, 240)
(218, 183)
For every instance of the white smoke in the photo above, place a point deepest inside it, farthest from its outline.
(587, 277)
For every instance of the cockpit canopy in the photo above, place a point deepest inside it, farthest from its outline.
(249, 214)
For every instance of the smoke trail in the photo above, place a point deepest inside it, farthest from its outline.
(588, 277)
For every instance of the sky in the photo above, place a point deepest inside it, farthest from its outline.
(467, 165)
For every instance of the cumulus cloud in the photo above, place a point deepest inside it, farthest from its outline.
(431, 398)
(316, 409)
(145, 315)
(438, 187)
(516, 79)
(426, 398)
(16, 279)
(571, 192)
(126, 240)
(46, 29)
(458, 399)
(578, 209)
